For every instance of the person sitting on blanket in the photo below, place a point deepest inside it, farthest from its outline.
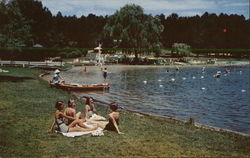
(62, 127)
(70, 111)
(113, 119)
(90, 109)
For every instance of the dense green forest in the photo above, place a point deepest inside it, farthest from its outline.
(25, 23)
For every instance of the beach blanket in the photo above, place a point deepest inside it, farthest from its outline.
(89, 124)
(97, 132)
(98, 120)
(95, 117)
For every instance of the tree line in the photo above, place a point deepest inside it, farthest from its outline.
(26, 23)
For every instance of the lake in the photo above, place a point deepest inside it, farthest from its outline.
(221, 102)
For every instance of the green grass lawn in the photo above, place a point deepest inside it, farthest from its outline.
(27, 107)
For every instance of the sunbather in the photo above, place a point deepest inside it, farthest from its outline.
(90, 109)
(113, 119)
(70, 111)
(62, 127)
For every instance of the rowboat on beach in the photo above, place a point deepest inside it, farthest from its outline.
(81, 87)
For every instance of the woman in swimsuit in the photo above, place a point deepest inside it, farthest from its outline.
(90, 108)
(62, 127)
(113, 119)
(71, 111)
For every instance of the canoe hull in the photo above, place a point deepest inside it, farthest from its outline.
(85, 87)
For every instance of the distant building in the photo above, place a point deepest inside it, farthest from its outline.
(37, 46)
(22, 45)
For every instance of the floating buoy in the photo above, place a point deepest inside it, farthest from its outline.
(145, 82)
(202, 76)
(243, 90)
(159, 80)
(172, 79)
(203, 88)
(194, 77)
(161, 85)
(184, 78)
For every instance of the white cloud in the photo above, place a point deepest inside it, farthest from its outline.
(107, 7)
(190, 13)
(237, 4)
(146, 4)
(175, 5)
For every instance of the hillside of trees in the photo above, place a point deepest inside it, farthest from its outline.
(24, 23)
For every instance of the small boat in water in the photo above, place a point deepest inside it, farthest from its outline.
(81, 87)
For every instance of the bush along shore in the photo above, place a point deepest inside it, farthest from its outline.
(27, 107)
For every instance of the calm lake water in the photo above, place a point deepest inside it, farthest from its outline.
(221, 102)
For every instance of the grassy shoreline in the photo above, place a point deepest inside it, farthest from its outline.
(27, 107)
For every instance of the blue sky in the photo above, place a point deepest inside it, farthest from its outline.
(181, 7)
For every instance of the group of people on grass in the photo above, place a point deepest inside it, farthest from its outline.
(69, 120)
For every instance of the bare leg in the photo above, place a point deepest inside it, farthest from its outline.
(78, 115)
(77, 122)
(78, 129)
(100, 124)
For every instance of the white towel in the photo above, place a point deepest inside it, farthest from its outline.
(88, 125)
(95, 117)
(76, 134)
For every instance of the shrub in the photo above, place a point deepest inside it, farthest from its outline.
(182, 49)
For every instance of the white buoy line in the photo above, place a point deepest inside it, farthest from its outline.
(193, 77)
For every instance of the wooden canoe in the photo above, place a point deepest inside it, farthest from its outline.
(82, 87)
